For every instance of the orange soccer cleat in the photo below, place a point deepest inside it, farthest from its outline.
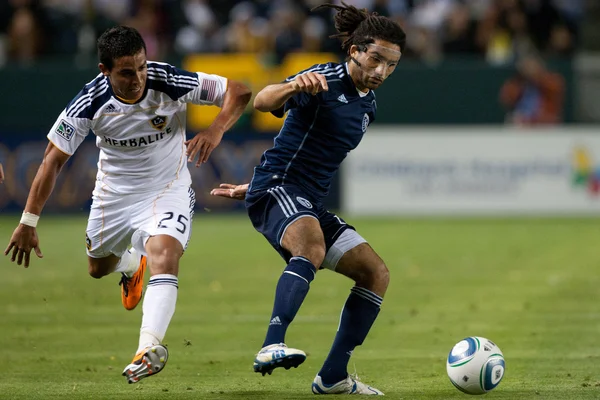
(132, 287)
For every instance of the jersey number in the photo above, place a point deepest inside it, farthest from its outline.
(182, 220)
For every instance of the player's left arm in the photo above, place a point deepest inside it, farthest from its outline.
(1, 173)
(233, 104)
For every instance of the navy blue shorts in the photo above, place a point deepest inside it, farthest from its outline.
(272, 211)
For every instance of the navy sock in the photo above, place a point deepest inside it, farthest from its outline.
(289, 295)
(359, 313)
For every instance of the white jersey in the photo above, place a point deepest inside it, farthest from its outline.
(141, 145)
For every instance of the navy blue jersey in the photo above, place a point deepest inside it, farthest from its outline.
(317, 134)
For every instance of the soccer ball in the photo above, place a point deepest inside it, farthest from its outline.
(475, 365)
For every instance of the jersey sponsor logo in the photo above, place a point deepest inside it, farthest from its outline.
(159, 122)
(110, 109)
(65, 129)
(304, 202)
(342, 98)
(137, 142)
(365, 123)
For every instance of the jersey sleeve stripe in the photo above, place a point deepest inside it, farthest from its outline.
(86, 100)
(177, 76)
(171, 83)
(90, 91)
(173, 77)
(321, 69)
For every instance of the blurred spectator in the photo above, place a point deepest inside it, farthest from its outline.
(247, 32)
(534, 96)
(459, 32)
(23, 23)
(497, 30)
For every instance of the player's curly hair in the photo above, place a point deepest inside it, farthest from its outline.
(360, 27)
(117, 42)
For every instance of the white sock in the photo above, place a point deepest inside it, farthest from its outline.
(129, 262)
(158, 309)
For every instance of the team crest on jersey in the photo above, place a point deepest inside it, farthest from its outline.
(88, 242)
(304, 202)
(65, 129)
(365, 123)
(159, 122)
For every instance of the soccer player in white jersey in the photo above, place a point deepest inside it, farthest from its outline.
(142, 206)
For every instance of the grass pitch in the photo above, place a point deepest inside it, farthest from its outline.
(529, 285)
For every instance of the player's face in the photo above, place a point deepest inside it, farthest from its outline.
(374, 63)
(128, 76)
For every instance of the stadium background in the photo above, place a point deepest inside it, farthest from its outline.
(451, 277)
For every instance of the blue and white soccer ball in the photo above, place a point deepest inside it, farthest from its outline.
(475, 365)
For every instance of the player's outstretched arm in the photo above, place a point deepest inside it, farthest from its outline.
(25, 238)
(235, 100)
(237, 192)
(1, 173)
(274, 96)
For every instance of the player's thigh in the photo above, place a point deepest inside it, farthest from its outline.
(109, 229)
(287, 221)
(167, 213)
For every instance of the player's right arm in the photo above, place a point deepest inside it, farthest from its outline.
(274, 97)
(65, 136)
(25, 238)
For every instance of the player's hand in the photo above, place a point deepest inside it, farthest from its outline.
(310, 82)
(23, 240)
(237, 192)
(1, 174)
(202, 144)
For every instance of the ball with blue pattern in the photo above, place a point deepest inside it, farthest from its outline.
(475, 365)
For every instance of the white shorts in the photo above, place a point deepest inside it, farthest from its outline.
(116, 222)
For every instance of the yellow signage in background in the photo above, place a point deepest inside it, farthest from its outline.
(247, 67)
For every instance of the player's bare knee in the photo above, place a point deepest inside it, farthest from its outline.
(96, 271)
(374, 276)
(382, 274)
(164, 261)
(314, 252)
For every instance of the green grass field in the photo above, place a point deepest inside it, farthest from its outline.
(529, 285)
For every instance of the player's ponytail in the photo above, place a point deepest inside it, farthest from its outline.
(359, 27)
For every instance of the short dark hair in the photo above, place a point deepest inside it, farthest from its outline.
(117, 42)
(359, 27)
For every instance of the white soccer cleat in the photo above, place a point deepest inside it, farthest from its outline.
(277, 355)
(350, 385)
(147, 362)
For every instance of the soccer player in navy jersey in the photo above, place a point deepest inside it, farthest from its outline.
(329, 107)
(143, 203)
